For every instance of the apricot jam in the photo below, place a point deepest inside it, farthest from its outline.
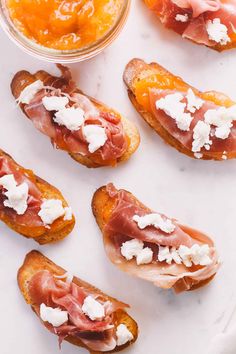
(64, 24)
(168, 81)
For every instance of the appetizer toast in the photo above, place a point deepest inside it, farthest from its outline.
(210, 23)
(36, 263)
(167, 253)
(92, 133)
(27, 222)
(198, 124)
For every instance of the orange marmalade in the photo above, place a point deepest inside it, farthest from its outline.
(64, 24)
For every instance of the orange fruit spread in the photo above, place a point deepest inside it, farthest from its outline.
(167, 81)
(64, 24)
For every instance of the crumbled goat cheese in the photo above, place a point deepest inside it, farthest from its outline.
(52, 209)
(224, 156)
(181, 18)
(54, 316)
(130, 249)
(54, 103)
(68, 213)
(168, 255)
(17, 196)
(198, 155)
(144, 256)
(217, 31)
(93, 309)
(72, 118)
(193, 103)
(198, 255)
(155, 220)
(201, 134)
(135, 248)
(222, 118)
(95, 136)
(173, 107)
(28, 93)
(123, 335)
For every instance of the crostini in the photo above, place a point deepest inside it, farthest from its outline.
(151, 246)
(208, 22)
(92, 133)
(31, 206)
(74, 310)
(201, 125)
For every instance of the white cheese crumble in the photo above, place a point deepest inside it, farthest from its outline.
(123, 335)
(93, 309)
(181, 18)
(17, 196)
(155, 220)
(135, 248)
(217, 31)
(201, 134)
(193, 103)
(224, 155)
(173, 107)
(144, 256)
(72, 118)
(198, 155)
(168, 255)
(222, 118)
(28, 93)
(54, 316)
(130, 249)
(95, 136)
(55, 103)
(68, 213)
(52, 209)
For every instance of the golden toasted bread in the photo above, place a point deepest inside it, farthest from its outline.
(137, 70)
(103, 206)
(59, 229)
(35, 261)
(24, 78)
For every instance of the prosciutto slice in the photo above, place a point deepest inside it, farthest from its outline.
(186, 137)
(97, 335)
(198, 12)
(74, 141)
(121, 227)
(30, 218)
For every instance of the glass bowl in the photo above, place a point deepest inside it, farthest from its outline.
(62, 56)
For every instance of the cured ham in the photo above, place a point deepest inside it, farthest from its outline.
(208, 22)
(168, 266)
(30, 205)
(30, 218)
(44, 288)
(74, 310)
(67, 125)
(201, 125)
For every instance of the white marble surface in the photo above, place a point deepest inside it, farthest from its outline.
(198, 193)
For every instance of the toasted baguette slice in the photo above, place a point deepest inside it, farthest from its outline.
(24, 78)
(137, 70)
(103, 206)
(60, 227)
(35, 261)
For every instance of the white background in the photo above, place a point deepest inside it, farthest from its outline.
(198, 193)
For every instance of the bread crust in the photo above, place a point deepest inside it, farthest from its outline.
(23, 78)
(135, 70)
(59, 229)
(103, 206)
(36, 261)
